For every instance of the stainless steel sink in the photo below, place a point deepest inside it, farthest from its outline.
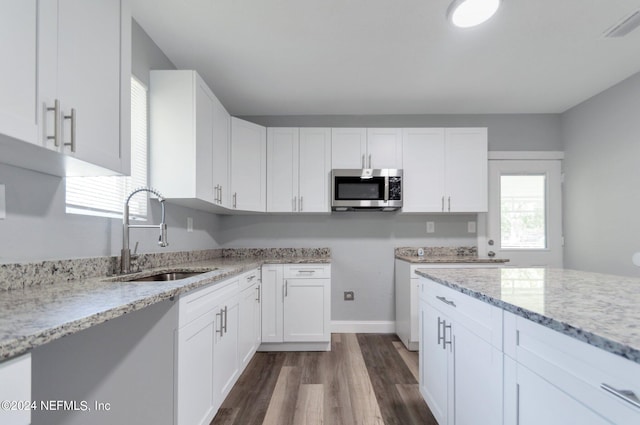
(167, 276)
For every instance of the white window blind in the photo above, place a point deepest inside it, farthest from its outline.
(104, 196)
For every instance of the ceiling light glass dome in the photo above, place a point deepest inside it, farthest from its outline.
(469, 13)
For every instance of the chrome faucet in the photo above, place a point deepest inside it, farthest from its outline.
(125, 254)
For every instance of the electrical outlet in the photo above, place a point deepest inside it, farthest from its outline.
(3, 206)
(189, 224)
(349, 296)
(471, 226)
(431, 227)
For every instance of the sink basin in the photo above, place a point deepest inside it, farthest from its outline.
(166, 276)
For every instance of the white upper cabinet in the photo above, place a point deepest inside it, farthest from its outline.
(298, 167)
(366, 148)
(466, 169)
(183, 138)
(68, 87)
(445, 170)
(248, 166)
(423, 176)
(221, 149)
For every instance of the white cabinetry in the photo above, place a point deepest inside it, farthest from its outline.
(221, 152)
(188, 126)
(296, 307)
(407, 288)
(298, 167)
(248, 166)
(460, 356)
(77, 55)
(366, 148)
(250, 334)
(15, 376)
(552, 378)
(445, 170)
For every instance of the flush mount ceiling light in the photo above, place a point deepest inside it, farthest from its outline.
(469, 13)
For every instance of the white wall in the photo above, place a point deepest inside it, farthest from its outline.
(36, 226)
(602, 181)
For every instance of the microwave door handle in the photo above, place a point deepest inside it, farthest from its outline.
(386, 189)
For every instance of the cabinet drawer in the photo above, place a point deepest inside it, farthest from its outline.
(575, 367)
(479, 317)
(196, 303)
(249, 278)
(311, 271)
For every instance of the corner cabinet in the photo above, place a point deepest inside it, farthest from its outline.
(248, 166)
(189, 140)
(366, 148)
(461, 358)
(67, 104)
(454, 161)
(298, 168)
(296, 308)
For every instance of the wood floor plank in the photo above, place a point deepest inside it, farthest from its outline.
(284, 398)
(410, 358)
(337, 401)
(226, 416)
(309, 407)
(414, 404)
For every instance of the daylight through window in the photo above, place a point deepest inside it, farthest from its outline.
(523, 212)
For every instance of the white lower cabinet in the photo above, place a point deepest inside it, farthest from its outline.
(249, 332)
(296, 308)
(553, 379)
(15, 387)
(460, 356)
(226, 358)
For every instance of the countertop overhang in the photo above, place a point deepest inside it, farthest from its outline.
(599, 309)
(450, 259)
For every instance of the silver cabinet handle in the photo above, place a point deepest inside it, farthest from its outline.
(300, 208)
(235, 198)
(250, 278)
(295, 198)
(363, 165)
(307, 271)
(449, 203)
(56, 122)
(446, 301)
(225, 319)
(440, 337)
(626, 395)
(72, 117)
(216, 191)
(219, 331)
(443, 204)
(370, 166)
(444, 335)
(258, 293)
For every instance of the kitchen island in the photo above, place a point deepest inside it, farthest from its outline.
(537, 345)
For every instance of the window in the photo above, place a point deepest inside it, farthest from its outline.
(104, 196)
(523, 212)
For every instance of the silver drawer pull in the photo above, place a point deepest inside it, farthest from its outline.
(627, 395)
(56, 123)
(446, 301)
(250, 278)
(72, 117)
(306, 271)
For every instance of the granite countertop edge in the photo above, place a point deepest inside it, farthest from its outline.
(614, 347)
(15, 343)
(450, 259)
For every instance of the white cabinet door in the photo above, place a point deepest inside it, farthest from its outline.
(348, 147)
(423, 151)
(384, 148)
(272, 286)
(282, 172)
(93, 77)
(221, 149)
(434, 362)
(15, 376)
(226, 362)
(18, 47)
(248, 166)
(307, 310)
(249, 323)
(314, 169)
(194, 372)
(204, 141)
(466, 178)
(477, 380)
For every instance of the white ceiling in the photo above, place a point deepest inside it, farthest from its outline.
(303, 57)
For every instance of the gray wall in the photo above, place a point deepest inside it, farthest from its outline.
(507, 132)
(37, 227)
(602, 181)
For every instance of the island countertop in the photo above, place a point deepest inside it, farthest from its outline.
(602, 310)
(38, 314)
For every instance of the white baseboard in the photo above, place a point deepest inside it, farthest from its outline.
(363, 326)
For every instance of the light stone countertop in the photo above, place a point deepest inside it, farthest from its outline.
(466, 259)
(35, 315)
(602, 310)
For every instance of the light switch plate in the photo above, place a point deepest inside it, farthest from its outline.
(471, 226)
(3, 204)
(189, 224)
(431, 227)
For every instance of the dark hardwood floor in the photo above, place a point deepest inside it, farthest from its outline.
(366, 379)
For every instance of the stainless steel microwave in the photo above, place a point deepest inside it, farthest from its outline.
(366, 189)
